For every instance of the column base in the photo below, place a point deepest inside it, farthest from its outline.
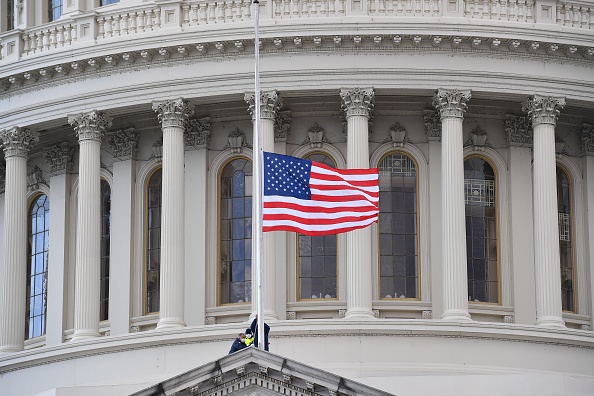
(359, 313)
(170, 323)
(82, 335)
(10, 349)
(458, 315)
(551, 322)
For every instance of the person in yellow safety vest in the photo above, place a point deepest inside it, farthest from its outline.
(249, 337)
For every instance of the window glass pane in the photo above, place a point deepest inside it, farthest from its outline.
(235, 232)
(565, 239)
(481, 230)
(38, 248)
(107, 2)
(398, 227)
(153, 241)
(10, 15)
(317, 257)
(105, 243)
(54, 10)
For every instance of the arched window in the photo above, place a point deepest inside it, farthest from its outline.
(317, 265)
(398, 227)
(105, 244)
(565, 239)
(480, 197)
(54, 9)
(235, 232)
(153, 246)
(37, 268)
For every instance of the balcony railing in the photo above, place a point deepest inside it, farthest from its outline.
(109, 23)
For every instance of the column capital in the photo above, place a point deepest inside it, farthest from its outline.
(451, 103)
(173, 113)
(17, 141)
(543, 109)
(123, 143)
(587, 139)
(270, 104)
(357, 101)
(90, 125)
(59, 158)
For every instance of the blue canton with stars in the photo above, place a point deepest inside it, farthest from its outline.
(286, 176)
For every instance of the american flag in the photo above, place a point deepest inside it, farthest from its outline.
(314, 199)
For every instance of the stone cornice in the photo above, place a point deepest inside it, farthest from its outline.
(17, 141)
(543, 109)
(91, 125)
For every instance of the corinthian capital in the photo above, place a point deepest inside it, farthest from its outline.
(357, 101)
(543, 109)
(270, 104)
(451, 104)
(16, 141)
(59, 158)
(90, 125)
(587, 139)
(173, 113)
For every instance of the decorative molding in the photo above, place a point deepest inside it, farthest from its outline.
(123, 143)
(478, 139)
(197, 133)
(427, 314)
(211, 320)
(35, 179)
(157, 149)
(509, 319)
(270, 104)
(518, 130)
(543, 109)
(559, 145)
(316, 136)
(17, 141)
(237, 141)
(587, 139)
(587, 327)
(376, 313)
(173, 112)
(342, 313)
(397, 135)
(282, 126)
(91, 125)
(432, 122)
(134, 329)
(291, 315)
(357, 102)
(59, 158)
(451, 103)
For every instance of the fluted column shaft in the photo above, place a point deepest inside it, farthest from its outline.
(451, 106)
(173, 116)
(15, 142)
(89, 127)
(270, 103)
(358, 105)
(544, 111)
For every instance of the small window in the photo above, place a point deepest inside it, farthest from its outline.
(39, 222)
(565, 239)
(108, 2)
(54, 10)
(153, 252)
(10, 15)
(105, 248)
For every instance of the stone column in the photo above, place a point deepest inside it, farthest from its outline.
(587, 148)
(357, 105)
(16, 143)
(270, 103)
(173, 115)
(451, 106)
(544, 111)
(89, 127)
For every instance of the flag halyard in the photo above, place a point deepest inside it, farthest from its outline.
(315, 199)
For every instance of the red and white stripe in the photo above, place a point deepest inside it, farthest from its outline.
(341, 200)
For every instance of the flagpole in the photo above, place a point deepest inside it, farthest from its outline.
(258, 158)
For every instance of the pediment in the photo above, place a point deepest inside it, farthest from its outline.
(256, 372)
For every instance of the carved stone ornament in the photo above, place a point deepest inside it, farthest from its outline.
(543, 109)
(291, 315)
(427, 314)
(2, 176)
(518, 130)
(282, 126)
(477, 139)
(559, 145)
(35, 178)
(17, 141)
(451, 103)
(397, 135)
(270, 103)
(91, 125)
(316, 136)
(173, 113)
(357, 102)
(197, 133)
(59, 158)
(123, 143)
(432, 122)
(237, 141)
(158, 150)
(587, 139)
(211, 320)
